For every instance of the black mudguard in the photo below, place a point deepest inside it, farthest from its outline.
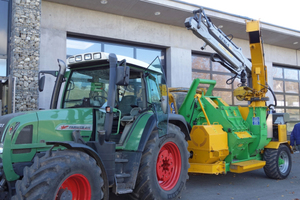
(150, 126)
(175, 119)
(179, 121)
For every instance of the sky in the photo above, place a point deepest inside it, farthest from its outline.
(285, 13)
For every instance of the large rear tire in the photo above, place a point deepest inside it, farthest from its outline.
(278, 162)
(61, 175)
(164, 167)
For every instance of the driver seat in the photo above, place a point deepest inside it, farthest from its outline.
(125, 104)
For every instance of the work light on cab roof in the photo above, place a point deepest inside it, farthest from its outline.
(84, 57)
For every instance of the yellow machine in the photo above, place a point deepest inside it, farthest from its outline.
(230, 138)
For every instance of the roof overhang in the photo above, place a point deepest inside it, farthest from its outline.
(174, 12)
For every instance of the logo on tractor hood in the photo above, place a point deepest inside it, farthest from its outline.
(82, 127)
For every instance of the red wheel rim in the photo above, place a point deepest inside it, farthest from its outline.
(78, 185)
(168, 166)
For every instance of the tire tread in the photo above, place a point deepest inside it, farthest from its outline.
(142, 190)
(38, 177)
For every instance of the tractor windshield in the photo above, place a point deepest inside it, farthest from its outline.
(87, 88)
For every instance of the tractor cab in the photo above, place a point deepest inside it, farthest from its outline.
(119, 89)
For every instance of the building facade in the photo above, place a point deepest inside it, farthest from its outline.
(40, 32)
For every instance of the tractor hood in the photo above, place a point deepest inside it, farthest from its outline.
(4, 121)
(46, 125)
(24, 134)
(58, 125)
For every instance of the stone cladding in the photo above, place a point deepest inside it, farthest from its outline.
(25, 52)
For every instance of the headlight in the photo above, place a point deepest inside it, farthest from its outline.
(97, 55)
(78, 58)
(71, 59)
(88, 56)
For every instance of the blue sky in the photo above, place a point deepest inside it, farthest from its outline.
(282, 13)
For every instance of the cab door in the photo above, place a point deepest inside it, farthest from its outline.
(157, 94)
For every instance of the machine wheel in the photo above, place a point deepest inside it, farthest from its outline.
(278, 162)
(164, 166)
(61, 175)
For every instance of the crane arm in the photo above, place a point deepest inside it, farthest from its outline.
(229, 55)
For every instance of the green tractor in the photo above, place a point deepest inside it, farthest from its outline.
(112, 132)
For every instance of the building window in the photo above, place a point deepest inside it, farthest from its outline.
(204, 68)
(3, 36)
(147, 54)
(286, 87)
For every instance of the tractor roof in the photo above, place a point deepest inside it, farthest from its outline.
(75, 60)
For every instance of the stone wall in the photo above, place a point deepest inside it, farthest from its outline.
(25, 52)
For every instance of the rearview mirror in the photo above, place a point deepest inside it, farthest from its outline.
(123, 73)
(42, 79)
(41, 83)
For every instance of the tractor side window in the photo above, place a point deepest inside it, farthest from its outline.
(154, 93)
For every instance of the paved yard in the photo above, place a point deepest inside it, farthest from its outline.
(252, 185)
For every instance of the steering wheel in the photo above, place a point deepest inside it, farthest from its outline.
(100, 99)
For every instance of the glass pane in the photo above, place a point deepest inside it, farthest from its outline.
(87, 88)
(147, 55)
(219, 68)
(3, 27)
(279, 110)
(292, 100)
(130, 95)
(240, 103)
(280, 100)
(277, 72)
(277, 86)
(79, 46)
(226, 96)
(158, 94)
(119, 50)
(3, 67)
(294, 114)
(200, 62)
(200, 75)
(154, 92)
(291, 74)
(291, 87)
(221, 81)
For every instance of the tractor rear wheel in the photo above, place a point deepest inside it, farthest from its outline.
(278, 162)
(164, 166)
(61, 175)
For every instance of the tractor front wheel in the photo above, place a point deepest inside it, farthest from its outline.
(61, 175)
(164, 166)
(278, 162)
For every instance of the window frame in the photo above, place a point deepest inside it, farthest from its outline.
(135, 46)
(212, 72)
(284, 93)
(7, 55)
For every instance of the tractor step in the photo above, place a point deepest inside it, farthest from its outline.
(125, 191)
(246, 166)
(120, 160)
(122, 175)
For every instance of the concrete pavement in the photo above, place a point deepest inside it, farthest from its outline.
(252, 185)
